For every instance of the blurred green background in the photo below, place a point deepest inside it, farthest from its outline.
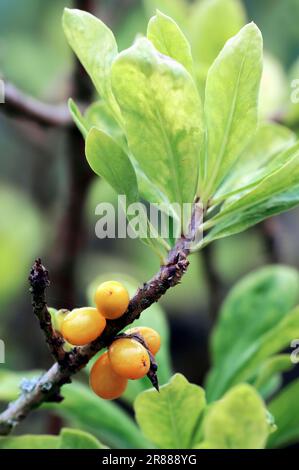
(35, 190)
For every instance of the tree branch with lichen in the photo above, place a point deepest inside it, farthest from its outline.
(47, 387)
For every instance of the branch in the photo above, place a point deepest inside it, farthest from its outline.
(47, 388)
(39, 281)
(18, 104)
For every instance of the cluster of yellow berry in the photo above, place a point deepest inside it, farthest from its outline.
(130, 356)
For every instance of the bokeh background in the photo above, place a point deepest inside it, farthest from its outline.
(48, 195)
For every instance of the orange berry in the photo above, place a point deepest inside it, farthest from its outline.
(104, 381)
(112, 299)
(150, 336)
(129, 358)
(82, 325)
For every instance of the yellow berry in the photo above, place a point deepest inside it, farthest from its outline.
(112, 299)
(83, 325)
(129, 358)
(104, 381)
(150, 336)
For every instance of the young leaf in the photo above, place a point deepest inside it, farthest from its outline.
(277, 192)
(168, 39)
(95, 46)
(231, 98)
(162, 115)
(258, 305)
(107, 159)
(261, 156)
(78, 118)
(285, 409)
(237, 421)
(170, 418)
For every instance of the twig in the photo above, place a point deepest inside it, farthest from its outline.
(20, 105)
(47, 388)
(39, 281)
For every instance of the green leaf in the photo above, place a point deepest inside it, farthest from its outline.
(261, 156)
(285, 409)
(96, 115)
(95, 46)
(237, 421)
(108, 159)
(103, 418)
(68, 439)
(99, 115)
(231, 98)
(212, 23)
(29, 441)
(78, 118)
(170, 418)
(162, 115)
(271, 367)
(277, 192)
(76, 439)
(259, 306)
(168, 39)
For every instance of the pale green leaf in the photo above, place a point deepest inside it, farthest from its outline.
(261, 156)
(170, 419)
(237, 421)
(162, 115)
(95, 46)
(108, 159)
(231, 99)
(96, 115)
(285, 409)
(259, 306)
(168, 39)
(78, 118)
(277, 192)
